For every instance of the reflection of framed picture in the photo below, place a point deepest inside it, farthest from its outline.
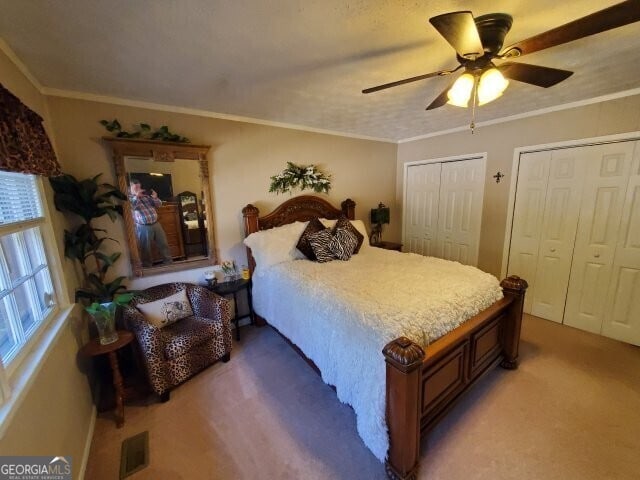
(160, 182)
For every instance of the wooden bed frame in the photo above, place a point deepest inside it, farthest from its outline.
(422, 384)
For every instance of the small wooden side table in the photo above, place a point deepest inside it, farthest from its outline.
(388, 245)
(94, 349)
(232, 288)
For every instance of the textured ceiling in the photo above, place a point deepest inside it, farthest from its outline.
(301, 62)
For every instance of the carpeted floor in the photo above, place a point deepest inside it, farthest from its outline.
(571, 411)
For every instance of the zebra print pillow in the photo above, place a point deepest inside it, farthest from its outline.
(320, 242)
(343, 222)
(343, 244)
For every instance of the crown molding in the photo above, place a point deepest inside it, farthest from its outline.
(11, 55)
(56, 92)
(532, 113)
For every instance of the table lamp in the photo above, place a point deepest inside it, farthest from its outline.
(379, 216)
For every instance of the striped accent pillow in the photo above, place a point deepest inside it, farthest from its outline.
(320, 242)
(343, 244)
(343, 222)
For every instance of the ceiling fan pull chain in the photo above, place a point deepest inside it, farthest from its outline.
(473, 108)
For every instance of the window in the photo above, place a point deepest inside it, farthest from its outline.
(27, 296)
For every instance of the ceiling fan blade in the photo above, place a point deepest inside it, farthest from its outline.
(613, 17)
(412, 79)
(440, 99)
(534, 74)
(459, 29)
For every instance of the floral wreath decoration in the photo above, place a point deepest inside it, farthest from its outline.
(302, 177)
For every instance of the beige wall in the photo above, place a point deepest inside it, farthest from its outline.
(55, 415)
(500, 140)
(242, 158)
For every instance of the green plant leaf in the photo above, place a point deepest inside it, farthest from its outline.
(107, 260)
(123, 298)
(111, 126)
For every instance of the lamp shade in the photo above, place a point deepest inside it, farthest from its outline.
(492, 84)
(460, 93)
(380, 215)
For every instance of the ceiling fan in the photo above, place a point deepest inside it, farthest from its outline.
(478, 42)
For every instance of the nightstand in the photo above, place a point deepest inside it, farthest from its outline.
(388, 246)
(232, 288)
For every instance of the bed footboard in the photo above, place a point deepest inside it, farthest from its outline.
(424, 384)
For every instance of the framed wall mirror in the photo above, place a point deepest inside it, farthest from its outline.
(167, 219)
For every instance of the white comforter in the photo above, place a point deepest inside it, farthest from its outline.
(341, 314)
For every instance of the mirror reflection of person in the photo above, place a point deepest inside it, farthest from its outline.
(148, 229)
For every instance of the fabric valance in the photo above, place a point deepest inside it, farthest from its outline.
(24, 144)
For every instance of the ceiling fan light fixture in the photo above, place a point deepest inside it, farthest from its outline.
(460, 92)
(491, 86)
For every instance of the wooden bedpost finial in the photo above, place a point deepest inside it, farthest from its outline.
(404, 354)
(515, 284)
(250, 214)
(514, 287)
(250, 211)
(404, 360)
(349, 208)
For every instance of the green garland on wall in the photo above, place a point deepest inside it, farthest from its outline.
(302, 177)
(143, 130)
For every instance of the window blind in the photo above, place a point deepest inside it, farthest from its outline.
(19, 198)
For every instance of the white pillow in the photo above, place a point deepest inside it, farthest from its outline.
(275, 245)
(167, 310)
(359, 224)
(328, 223)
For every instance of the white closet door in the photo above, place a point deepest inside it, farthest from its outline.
(460, 216)
(531, 192)
(608, 168)
(559, 223)
(622, 307)
(421, 217)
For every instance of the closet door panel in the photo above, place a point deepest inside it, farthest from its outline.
(531, 192)
(421, 221)
(559, 223)
(622, 307)
(607, 176)
(460, 215)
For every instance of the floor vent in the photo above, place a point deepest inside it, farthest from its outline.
(134, 455)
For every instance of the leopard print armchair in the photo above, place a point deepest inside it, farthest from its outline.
(178, 351)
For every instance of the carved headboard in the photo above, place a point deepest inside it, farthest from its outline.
(297, 209)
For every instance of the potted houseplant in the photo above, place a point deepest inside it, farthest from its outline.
(104, 316)
(88, 200)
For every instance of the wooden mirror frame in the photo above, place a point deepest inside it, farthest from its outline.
(163, 152)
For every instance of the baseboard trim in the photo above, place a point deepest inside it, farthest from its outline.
(87, 443)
